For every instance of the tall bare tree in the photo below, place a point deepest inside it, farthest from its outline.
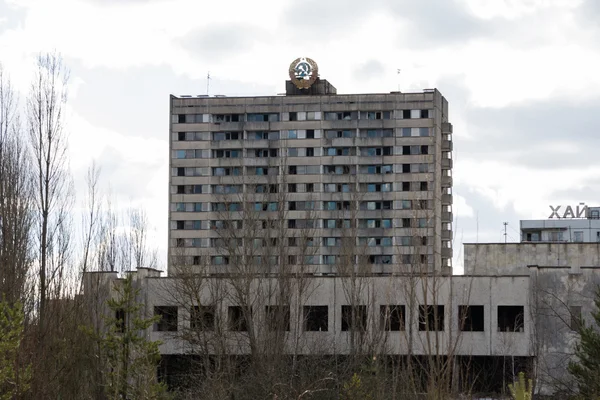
(48, 142)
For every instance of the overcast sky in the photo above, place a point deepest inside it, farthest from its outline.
(521, 78)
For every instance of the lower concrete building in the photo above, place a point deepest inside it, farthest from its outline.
(516, 308)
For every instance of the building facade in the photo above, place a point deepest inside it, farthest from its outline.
(581, 225)
(368, 171)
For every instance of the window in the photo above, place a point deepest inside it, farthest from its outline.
(344, 115)
(237, 318)
(423, 186)
(511, 319)
(310, 152)
(392, 318)
(376, 205)
(336, 223)
(576, 320)
(316, 318)
(309, 188)
(271, 117)
(278, 318)
(227, 136)
(578, 236)
(293, 116)
(202, 318)
(120, 320)
(375, 151)
(354, 318)
(431, 318)
(595, 214)
(555, 236)
(339, 134)
(471, 318)
(310, 133)
(220, 260)
(329, 260)
(292, 188)
(227, 117)
(380, 259)
(406, 222)
(226, 171)
(233, 153)
(168, 318)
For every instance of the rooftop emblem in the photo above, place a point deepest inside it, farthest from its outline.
(304, 72)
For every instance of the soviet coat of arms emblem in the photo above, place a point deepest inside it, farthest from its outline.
(303, 72)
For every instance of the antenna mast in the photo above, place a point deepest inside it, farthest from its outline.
(398, 73)
(207, 82)
(505, 225)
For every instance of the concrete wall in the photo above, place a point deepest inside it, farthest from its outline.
(514, 258)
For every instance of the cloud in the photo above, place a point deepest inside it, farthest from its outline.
(370, 69)
(223, 41)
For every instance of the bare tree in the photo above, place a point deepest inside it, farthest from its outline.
(53, 187)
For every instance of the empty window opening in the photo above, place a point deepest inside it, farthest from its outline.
(120, 320)
(354, 318)
(278, 318)
(576, 321)
(471, 318)
(431, 318)
(393, 318)
(237, 319)
(511, 319)
(202, 318)
(316, 318)
(168, 318)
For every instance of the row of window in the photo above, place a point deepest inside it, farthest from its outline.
(302, 116)
(303, 134)
(303, 152)
(471, 318)
(304, 170)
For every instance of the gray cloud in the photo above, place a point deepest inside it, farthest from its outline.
(11, 16)
(136, 103)
(369, 69)
(222, 40)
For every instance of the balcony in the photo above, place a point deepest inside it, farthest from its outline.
(446, 163)
(447, 145)
(446, 234)
(446, 199)
(446, 127)
(446, 181)
(446, 216)
(447, 252)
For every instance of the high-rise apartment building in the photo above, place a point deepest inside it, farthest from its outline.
(311, 178)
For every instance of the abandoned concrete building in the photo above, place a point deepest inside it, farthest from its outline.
(323, 222)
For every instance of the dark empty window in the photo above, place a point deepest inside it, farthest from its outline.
(120, 320)
(424, 113)
(278, 318)
(393, 318)
(511, 319)
(316, 318)
(168, 318)
(424, 149)
(310, 133)
(292, 188)
(405, 150)
(405, 168)
(181, 118)
(202, 318)
(310, 152)
(423, 186)
(406, 114)
(406, 222)
(181, 136)
(354, 318)
(293, 116)
(237, 319)
(575, 312)
(470, 318)
(431, 318)
(406, 186)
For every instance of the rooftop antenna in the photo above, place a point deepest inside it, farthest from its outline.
(398, 73)
(207, 82)
(505, 225)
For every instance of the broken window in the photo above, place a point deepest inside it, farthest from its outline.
(575, 312)
(471, 318)
(511, 319)
(237, 319)
(431, 318)
(316, 318)
(393, 318)
(202, 318)
(168, 318)
(354, 318)
(120, 320)
(278, 318)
